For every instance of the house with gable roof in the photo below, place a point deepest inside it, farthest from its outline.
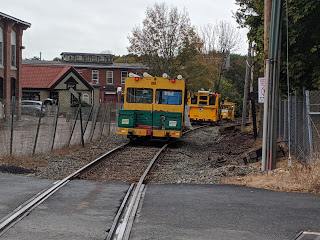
(41, 82)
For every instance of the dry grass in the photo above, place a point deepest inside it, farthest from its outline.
(28, 162)
(300, 177)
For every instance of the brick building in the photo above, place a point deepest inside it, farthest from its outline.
(11, 31)
(98, 70)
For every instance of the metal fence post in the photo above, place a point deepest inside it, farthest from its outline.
(109, 119)
(309, 124)
(73, 127)
(38, 129)
(304, 137)
(103, 121)
(13, 105)
(55, 125)
(279, 123)
(285, 120)
(295, 123)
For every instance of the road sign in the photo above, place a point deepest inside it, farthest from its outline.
(261, 89)
(74, 93)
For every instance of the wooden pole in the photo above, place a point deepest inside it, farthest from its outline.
(245, 91)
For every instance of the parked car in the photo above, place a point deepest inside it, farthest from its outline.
(30, 107)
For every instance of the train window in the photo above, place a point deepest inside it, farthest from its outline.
(203, 97)
(212, 100)
(171, 97)
(194, 100)
(203, 103)
(139, 95)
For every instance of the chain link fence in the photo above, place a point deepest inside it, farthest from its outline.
(25, 129)
(299, 124)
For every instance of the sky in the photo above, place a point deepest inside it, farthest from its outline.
(93, 26)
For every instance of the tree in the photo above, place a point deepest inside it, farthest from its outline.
(218, 41)
(165, 34)
(57, 59)
(221, 37)
(304, 47)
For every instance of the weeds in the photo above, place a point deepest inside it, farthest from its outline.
(301, 177)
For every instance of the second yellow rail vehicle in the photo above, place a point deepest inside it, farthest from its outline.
(204, 107)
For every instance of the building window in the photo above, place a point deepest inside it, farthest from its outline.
(1, 47)
(79, 71)
(95, 75)
(79, 57)
(13, 49)
(85, 98)
(1, 87)
(109, 77)
(124, 75)
(13, 87)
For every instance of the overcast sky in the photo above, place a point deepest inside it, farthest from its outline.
(98, 25)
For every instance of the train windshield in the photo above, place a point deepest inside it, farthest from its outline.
(194, 100)
(171, 97)
(212, 100)
(139, 95)
(203, 100)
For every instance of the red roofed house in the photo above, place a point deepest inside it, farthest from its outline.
(11, 30)
(42, 82)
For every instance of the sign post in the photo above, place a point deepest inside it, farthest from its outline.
(261, 89)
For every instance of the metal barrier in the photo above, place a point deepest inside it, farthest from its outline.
(299, 124)
(24, 132)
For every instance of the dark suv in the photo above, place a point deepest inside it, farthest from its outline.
(29, 107)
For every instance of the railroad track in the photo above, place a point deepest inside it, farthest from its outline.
(100, 169)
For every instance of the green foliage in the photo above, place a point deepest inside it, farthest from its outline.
(83, 104)
(129, 58)
(304, 40)
(57, 59)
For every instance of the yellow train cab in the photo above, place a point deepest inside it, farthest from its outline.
(204, 107)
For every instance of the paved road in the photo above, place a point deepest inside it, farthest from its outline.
(223, 212)
(80, 210)
(85, 210)
(15, 190)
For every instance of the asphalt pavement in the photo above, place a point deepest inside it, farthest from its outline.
(80, 210)
(85, 209)
(222, 212)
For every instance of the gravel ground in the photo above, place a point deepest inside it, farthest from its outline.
(203, 156)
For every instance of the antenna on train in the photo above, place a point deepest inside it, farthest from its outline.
(165, 75)
(145, 74)
(133, 75)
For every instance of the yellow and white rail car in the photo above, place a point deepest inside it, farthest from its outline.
(153, 107)
(204, 107)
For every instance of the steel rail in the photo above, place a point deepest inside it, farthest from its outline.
(29, 205)
(122, 227)
(122, 232)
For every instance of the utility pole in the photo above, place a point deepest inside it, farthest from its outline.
(251, 83)
(267, 19)
(246, 85)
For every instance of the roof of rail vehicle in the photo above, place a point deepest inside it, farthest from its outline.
(155, 82)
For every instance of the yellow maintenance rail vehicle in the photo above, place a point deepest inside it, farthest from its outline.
(227, 111)
(153, 107)
(204, 107)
